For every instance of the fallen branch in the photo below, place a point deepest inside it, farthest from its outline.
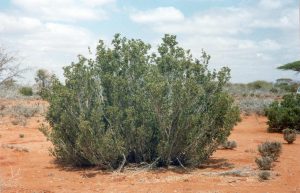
(181, 164)
(121, 167)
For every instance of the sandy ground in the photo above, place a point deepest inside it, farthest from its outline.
(26, 166)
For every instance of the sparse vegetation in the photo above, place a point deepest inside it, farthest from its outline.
(131, 106)
(253, 105)
(19, 120)
(289, 135)
(20, 113)
(21, 135)
(284, 114)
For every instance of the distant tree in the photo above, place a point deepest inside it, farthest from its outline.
(9, 69)
(295, 66)
(43, 79)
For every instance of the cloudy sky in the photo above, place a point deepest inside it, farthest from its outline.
(252, 37)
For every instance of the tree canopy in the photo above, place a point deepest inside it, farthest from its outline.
(295, 66)
(9, 69)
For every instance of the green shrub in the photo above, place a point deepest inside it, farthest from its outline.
(270, 149)
(264, 175)
(129, 105)
(289, 135)
(264, 163)
(284, 114)
(26, 91)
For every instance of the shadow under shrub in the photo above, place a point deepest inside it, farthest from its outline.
(284, 114)
(166, 108)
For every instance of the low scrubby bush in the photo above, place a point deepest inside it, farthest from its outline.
(264, 162)
(284, 114)
(270, 149)
(289, 135)
(26, 91)
(260, 84)
(229, 145)
(264, 175)
(129, 105)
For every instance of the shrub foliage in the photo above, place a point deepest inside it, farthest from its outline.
(131, 105)
(284, 114)
(26, 91)
(264, 163)
(270, 149)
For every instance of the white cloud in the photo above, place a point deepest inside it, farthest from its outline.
(274, 4)
(97, 2)
(235, 37)
(271, 4)
(64, 10)
(160, 14)
(227, 21)
(13, 24)
(44, 44)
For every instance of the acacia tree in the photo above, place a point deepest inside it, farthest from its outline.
(295, 66)
(129, 105)
(8, 67)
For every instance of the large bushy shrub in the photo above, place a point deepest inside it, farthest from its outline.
(127, 104)
(284, 114)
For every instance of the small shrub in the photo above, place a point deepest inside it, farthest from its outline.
(264, 163)
(274, 90)
(21, 135)
(289, 135)
(264, 175)
(26, 91)
(229, 145)
(270, 149)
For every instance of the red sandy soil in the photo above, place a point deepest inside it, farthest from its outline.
(35, 170)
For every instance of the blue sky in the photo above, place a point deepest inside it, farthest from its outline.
(252, 37)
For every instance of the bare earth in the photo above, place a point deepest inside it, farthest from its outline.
(26, 166)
